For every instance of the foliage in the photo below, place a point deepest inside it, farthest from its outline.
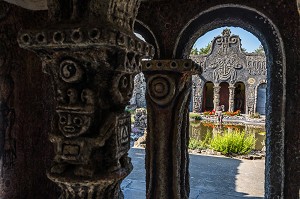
(203, 51)
(260, 50)
(235, 142)
(194, 51)
(209, 113)
(255, 115)
(244, 50)
(195, 116)
(235, 113)
(198, 144)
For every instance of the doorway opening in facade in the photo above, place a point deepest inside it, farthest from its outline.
(208, 93)
(261, 99)
(224, 96)
(239, 97)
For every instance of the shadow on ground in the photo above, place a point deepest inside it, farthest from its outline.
(210, 177)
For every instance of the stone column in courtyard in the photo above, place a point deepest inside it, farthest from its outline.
(231, 97)
(217, 88)
(92, 56)
(169, 85)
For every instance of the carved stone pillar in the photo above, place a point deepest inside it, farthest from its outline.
(197, 93)
(92, 62)
(231, 97)
(250, 96)
(169, 85)
(216, 95)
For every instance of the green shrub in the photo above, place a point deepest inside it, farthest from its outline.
(198, 144)
(195, 116)
(255, 115)
(235, 142)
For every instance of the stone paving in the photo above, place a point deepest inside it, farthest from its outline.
(212, 177)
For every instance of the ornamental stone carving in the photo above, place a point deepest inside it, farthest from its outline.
(169, 85)
(226, 57)
(139, 91)
(92, 69)
(226, 62)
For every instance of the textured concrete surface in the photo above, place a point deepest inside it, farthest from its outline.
(211, 177)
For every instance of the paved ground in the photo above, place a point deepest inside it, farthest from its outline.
(211, 177)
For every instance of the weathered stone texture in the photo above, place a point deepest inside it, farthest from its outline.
(27, 151)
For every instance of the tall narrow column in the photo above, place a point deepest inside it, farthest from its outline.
(216, 95)
(168, 95)
(231, 97)
(92, 57)
(197, 93)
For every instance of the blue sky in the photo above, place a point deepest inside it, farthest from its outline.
(248, 40)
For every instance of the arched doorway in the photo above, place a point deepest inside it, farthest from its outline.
(208, 96)
(261, 99)
(262, 27)
(239, 97)
(224, 95)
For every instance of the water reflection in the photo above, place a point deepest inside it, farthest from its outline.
(200, 129)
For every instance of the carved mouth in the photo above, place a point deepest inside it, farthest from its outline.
(69, 129)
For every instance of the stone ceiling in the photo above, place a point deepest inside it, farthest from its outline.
(30, 4)
(42, 4)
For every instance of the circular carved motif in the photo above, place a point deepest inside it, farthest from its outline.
(251, 80)
(161, 89)
(70, 72)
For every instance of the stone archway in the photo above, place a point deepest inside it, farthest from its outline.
(263, 28)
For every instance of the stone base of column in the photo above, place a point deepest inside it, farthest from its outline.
(102, 186)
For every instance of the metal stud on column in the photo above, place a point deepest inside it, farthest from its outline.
(169, 85)
(92, 56)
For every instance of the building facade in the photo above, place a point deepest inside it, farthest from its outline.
(230, 77)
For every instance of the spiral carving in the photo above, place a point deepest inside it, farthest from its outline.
(70, 72)
(161, 89)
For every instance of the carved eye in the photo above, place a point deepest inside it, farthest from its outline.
(70, 72)
(124, 82)
(77, 121)
(62, 119)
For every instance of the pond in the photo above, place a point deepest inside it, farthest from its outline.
(200, 129)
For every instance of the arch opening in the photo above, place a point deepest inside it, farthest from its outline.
(264, 29)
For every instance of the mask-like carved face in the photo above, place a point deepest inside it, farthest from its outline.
(74, 124)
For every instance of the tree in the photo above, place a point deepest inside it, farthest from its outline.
(194, 51)
(205, 50)
(259, 50)
(243, 50)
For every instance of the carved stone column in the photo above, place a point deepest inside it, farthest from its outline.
(169, 85)
(250, 96)
(216, 95)
(231, 97)
(92, 57)
(197, 93)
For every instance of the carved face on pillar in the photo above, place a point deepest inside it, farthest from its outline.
(74, 123)
(122, 88)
